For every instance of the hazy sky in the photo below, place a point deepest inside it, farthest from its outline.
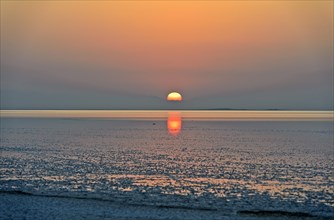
(129, 55)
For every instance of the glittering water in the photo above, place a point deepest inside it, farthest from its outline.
(227, 166)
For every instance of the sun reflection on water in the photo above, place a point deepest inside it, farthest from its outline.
(174, 123)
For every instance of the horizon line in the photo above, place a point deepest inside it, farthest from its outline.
(186, 114)
(166, 109)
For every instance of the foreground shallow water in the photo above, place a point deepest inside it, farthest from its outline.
(217, 168)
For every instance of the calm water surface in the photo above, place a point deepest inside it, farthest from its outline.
(175, 162)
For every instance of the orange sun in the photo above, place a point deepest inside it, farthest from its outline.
(174, 96)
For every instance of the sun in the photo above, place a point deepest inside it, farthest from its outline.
(174, 96)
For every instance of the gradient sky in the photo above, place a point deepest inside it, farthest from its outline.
(129, 55)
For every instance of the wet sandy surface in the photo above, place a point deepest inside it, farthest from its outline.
(217, 168)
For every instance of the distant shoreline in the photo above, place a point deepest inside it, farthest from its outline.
(171, 109)
(163, 114)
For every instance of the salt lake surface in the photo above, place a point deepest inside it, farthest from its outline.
(172, 168)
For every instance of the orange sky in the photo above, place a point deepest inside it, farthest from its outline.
(202, 49)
